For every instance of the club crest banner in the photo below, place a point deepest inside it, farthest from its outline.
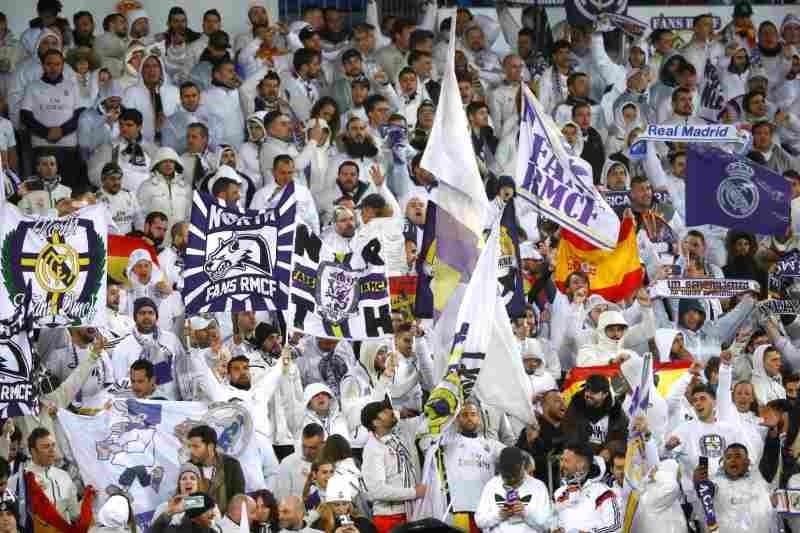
(238, 260)
(64, 260)
(138, 446)
(337, 295)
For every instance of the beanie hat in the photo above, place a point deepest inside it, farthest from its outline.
(144, 301)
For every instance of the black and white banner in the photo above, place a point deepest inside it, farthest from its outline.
(703, 288)
(238, 260)
(339, 296)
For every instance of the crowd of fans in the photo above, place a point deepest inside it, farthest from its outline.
(136, 114)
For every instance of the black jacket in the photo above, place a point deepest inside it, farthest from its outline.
(577, 422)
(594, 152)
(545, 449)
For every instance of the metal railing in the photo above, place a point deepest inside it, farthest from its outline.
(353, 10)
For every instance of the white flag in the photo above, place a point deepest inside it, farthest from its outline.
(139, 446)
(484, 335)
(449, 154)
(557, 184)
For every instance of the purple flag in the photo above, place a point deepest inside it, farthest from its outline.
(734, 192)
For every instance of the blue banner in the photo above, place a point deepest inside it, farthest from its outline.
(733, 192)
(238, 260)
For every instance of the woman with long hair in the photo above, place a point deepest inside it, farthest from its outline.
(266, 519)
(189, 481)
(316, 484)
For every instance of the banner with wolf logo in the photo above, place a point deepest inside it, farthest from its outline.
(17, 395)
(63, 259)
(239, 260)
(341, 296)
(137, 447)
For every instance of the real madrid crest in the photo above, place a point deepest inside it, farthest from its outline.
(737, 195)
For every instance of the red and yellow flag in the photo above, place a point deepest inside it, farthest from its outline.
(120, 248)
(668, 374)
(614, 274)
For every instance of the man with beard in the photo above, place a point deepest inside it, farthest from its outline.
(348, 172)
(155, 229)
(280, 141)
(83, 34)
(112, 44)
(593, 417)
(222, 472)
(545, 441)
(339, 234)
(245, 339)
(741, 498)
(148, 341)
(469, 457)
(594, 151)
(741, 264)
(153, 96)
(171, 258)
(117, 324)
(583, 502)
(121, 204)
(391, 467)
(84, 342)
(295, 467)
(301, 86)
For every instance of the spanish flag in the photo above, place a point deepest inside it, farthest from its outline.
(614, 274)
(668, 374)
(43, 517)
(120, 248)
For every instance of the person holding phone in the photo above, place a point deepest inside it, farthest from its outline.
(741, 498)
(338, 514)
(513, 501)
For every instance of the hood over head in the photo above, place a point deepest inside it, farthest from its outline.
(312, 389)
(687, 305)
(256, 120)
(165, 153)
(608, 165)
(134, 15)
(758, 361)
(369, 351)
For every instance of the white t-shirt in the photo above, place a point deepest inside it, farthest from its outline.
(52, 105)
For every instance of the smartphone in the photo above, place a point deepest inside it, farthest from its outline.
(704, 461)
(193, 502)
(345, 520)
(512, 497)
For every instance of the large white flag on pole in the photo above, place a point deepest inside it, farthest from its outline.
(483, 335)
(449, 154)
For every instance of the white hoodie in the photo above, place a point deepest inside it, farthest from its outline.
(765, 387)
(606, 349)
(333, 424)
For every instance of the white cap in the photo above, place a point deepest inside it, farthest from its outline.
(527, 250)
(339, 489)
(200, 322)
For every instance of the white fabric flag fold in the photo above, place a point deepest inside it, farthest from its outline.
(484, 335)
